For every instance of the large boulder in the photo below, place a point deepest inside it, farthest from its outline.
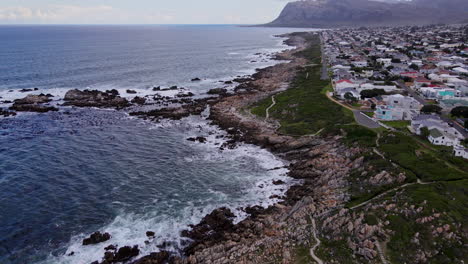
(211, 229)
(94, 98)
(96, 238)
(217, 91)
(33, 103)
(33, 99)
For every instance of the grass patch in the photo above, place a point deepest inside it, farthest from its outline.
(398, 125)
(303, 255)
(338, 251)
(447, 198)
(261, 107)
(425, 163)
(304, 109)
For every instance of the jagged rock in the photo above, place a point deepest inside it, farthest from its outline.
(96, 238)
(150, 234)
(131, 91)
(6, 113)
(217, 91)
(154, 258)
(199, 139)
(182, 95)
(138, 100)
(123, 254)
(33, 99)
(196, 79)
(94, 98)
(212, 228)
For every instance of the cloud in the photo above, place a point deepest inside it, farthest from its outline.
(57, 14)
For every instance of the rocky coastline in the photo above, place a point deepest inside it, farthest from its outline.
(268, 235)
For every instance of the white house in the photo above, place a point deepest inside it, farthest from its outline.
(460, 151)
(385, 61)
(449, 134)
(371, 86)
(342, 84)
(398, 107)
(361, 63)
(437, 137)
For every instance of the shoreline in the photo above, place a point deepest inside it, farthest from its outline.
(216, 233)
(227, 111)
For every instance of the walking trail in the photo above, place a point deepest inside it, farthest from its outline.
(267, 116)
(312, 250)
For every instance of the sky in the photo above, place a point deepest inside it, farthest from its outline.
(139, 11)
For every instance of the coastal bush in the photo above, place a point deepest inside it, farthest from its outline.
(425, 163)
(304, 108)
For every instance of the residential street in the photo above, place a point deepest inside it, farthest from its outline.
(413, 93)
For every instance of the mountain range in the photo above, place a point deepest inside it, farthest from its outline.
(333, 13)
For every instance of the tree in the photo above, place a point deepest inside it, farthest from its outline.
(460, 111)
(349, 97)
(425, 132)
(372, 93)
(466, 124)
(414, 67)
(396, 61)
(429, 109)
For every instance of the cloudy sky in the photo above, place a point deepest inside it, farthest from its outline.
(139, 11)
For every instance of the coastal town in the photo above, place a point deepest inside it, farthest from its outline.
(410, 77)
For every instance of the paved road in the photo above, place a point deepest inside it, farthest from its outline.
(361, 118)
(365, 120)
(413, 93)
(324, 74)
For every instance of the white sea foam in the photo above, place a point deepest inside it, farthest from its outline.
(130, 229)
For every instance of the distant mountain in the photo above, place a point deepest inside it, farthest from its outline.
(328, 13)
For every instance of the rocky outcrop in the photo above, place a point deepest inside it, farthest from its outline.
(329, 13)
(33, 103)
(94, 98)
(217, 91)
(96, 238)
(6, 113)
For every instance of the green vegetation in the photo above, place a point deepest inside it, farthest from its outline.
(372, 93)
(302, 255)
(460, 111)
(424, 161)
(337, 251)
(261, 107)
(398, 125)
(448, 199)
(304, 108)
(429, 109)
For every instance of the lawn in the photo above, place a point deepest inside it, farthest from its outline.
(399, 125)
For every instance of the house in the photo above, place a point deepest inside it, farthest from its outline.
(436, 137)
(431, 122)
(360, 63)
(385, 61)
(371, 86)
(412, 74)
(341, 84)
(398, 107)
(419, 63)
(420, 82)
(439, 93)
(460, 151)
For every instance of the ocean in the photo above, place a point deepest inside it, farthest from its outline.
(67, 174)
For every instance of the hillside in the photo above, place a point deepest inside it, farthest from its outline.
(326, 13)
